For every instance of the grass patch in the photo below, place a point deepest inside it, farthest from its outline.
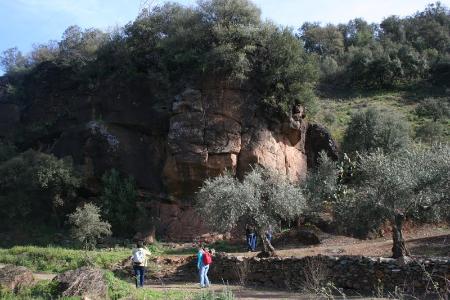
(57, 260)
(43, 290)
(118, 289)
(225, 294)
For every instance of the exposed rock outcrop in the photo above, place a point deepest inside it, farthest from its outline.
(318, 139)
(169, 146)
(15, 278)
(83, 282)
(217, 129)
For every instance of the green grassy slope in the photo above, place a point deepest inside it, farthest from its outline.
(335, 113)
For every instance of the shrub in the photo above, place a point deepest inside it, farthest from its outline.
(434, 108)
(322, 185)
(118, 201)
(430, 132)
(374, 129)
(87, 227)
(37, 186)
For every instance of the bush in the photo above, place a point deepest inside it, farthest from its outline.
(376, 129)
(434, 108)
(118, 202)
(36, 186)
(430, 132)
(87, 227)
(322, 184)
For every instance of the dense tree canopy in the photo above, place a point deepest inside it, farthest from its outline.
(396, 52)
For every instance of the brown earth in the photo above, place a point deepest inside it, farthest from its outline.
(423, 241)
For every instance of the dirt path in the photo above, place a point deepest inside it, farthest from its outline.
(427, 240)
(240, 292)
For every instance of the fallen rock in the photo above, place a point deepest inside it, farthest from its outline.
(15, 278)
(84, 282)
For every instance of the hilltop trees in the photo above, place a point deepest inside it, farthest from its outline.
(226, 39)
(262, 198)
(396, 52)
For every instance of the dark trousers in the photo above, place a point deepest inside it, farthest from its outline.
(251, 242)
(139, 272)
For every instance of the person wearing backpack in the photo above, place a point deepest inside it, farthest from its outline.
(139, 259)
(204, 260)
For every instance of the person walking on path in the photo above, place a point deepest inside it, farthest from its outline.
(139, 259)
(248, 236)
(204, 260)
(253, 238)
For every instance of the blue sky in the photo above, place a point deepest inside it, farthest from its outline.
(24, 22)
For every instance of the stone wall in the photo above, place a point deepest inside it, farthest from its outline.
(363, 275)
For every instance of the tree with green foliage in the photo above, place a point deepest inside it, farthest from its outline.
(13, 60)
(36, 185)
(263, 198)
(118, 201)
(375, 129)
(226, 40)
(87, 226)
(413, 182)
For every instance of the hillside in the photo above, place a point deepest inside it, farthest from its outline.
(335, 112)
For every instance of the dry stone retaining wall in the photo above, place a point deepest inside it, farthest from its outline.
(361, 274)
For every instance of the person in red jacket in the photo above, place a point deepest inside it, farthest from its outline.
(204, 260)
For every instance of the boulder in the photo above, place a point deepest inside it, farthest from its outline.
(85, 282)
(15, 278)
(318, 139)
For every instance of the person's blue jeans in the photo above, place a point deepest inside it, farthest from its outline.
(254, 242)
(204, 281)
(139, 272)
(249, 242)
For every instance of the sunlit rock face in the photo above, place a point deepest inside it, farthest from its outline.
(219, 128)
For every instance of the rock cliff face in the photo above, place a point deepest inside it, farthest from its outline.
(169, 147)
(215, 129)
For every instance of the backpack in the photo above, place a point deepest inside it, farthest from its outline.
(207, 259)
(138, 257)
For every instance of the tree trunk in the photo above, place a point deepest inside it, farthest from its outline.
(399, 247)
(268, 249)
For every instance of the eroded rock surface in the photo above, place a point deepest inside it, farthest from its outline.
(216, 129)
(170, 145)
(15, 278)
(83, 282)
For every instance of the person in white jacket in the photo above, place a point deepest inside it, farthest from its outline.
(139, 259)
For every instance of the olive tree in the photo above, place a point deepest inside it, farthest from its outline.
(262, 198)
(87, 226)
(411, 182)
